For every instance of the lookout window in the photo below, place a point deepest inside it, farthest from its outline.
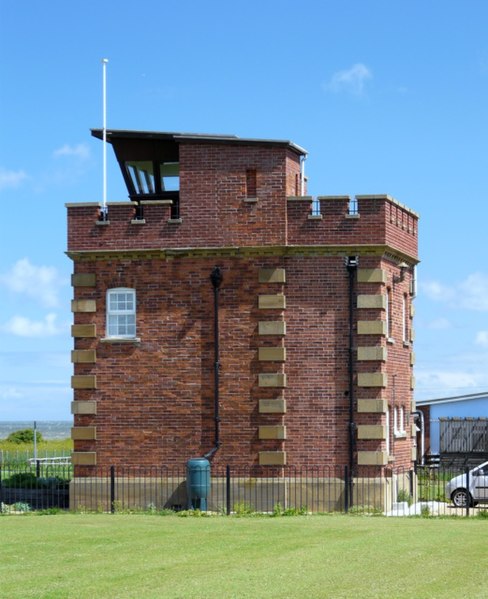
(149, 178)
(154, 180)
(170, 176)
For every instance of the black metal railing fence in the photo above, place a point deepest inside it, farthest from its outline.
(241, 490)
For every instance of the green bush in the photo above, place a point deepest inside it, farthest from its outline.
(28, 480)
(193, 514)
(279, 510)
(369, 510)
(21, 506)
(241, 508)
(21, 480)
(404, 495)
(50, 511)
(24, 436)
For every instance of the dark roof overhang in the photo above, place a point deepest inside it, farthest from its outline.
(159, 136)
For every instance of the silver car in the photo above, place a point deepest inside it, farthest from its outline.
(457, 490)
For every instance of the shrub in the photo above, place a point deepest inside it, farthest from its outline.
(24, 436)
(28, 480)
(20, 506)
(193, 514)
(278, 510)
(50, 511)
(241, 508)
(21, 480)
(53, 482)
(365, 509)
(404, 495)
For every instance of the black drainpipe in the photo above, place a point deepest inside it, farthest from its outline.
(352, 265)
(216, 279)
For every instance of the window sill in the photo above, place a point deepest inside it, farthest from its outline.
(315, 217)
(250, 200)
(391, 341)
(102, 223)
(134, 340)
(175, 221)
(401, 435)
(353, 216)
(406, 344)
(138, 221)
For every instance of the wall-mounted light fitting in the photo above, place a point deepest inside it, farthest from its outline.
(403, 266)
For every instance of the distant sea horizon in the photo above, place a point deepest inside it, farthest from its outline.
(50, 429)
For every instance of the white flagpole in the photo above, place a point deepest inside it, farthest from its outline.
(35, 442)
(104, 67)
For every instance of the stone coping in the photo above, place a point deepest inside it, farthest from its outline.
(240, 251)
(307, 198)
(385, 196)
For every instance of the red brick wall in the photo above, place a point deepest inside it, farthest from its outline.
(155, 398)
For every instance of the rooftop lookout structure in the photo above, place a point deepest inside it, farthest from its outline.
(150, 161)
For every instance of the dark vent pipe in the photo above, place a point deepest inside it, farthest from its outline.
(216, 280)
(351, 265)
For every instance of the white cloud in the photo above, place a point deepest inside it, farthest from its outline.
(448, 383)
(25, 327)
(351, 80)
(482, 338)
(80, 151)
(436, 291)
(40, 282)
(439, 324)
(474, 292)
(454, 374)
(11, 178)
(470, 294)
(10, 393)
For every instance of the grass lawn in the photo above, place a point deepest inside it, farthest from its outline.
(117, 556)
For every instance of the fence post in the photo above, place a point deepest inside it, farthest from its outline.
(227, 490)
(38, 468)
(467, 491)
(346, 489)
(112, 489)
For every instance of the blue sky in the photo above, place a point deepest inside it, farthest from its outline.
(388, 97)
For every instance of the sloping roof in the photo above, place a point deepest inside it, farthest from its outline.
(455, 399)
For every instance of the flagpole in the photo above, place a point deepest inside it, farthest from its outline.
(104, 68)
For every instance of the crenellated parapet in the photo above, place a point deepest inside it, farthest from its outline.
(364, 220)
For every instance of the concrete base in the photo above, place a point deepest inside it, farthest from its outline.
(316, 495)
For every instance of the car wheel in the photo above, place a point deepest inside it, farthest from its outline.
(460, 497)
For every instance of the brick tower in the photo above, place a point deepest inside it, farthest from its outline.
(314, 306)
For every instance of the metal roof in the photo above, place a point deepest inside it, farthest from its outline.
(440, 400)
(200, 137)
